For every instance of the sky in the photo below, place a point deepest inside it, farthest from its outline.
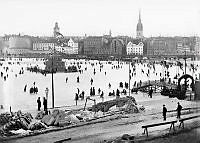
(97, 17)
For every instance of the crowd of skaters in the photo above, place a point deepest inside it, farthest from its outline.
(149, 66)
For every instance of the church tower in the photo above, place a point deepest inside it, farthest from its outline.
(56, 29)
(139, 29)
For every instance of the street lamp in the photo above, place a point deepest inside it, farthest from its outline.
(46, 92)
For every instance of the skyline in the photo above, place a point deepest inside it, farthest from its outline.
(95, 17)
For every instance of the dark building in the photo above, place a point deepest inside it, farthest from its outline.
(104, 45)
(170, 46)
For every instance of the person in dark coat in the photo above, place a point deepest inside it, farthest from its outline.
(91, 81)
(91, 91)
(45, 104)
(179, 108)
(39, 103)
(77, 79)
(25, 88)
(164, 112)
(76, 98)
(150, 93)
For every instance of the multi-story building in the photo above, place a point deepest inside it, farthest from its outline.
(19, 45)
(197, 46)
(118, 47)
(68, 46)
(168, 46)
(134, 49)
(43, 46)
(81, 47)
(92, 44)
(104, 45)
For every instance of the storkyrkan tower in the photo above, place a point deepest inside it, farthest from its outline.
(56, 29)
(139, 29)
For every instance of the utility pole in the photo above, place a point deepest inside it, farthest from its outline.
(52, 83)
(129, 79)
(185, 73)
(129, 76)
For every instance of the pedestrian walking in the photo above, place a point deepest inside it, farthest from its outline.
(78, 90)
(164, 112)
(150, 93)
(91, 81)
(39, 103)
(91, 91)
(99, 91)
(102, 96)
(109, 85)
(77, 79)
(25, 88)
(179, 108)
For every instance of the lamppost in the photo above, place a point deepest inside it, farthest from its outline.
(46, 92)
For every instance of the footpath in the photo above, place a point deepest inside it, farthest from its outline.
(107, 131)
(111, 127)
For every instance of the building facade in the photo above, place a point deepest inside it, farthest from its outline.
(43, 46)
(117, 47)
(197, 46)
(104, 45)
(92, 44)
(170, 46)
(134, 49)
(68, 46)
(19, 45)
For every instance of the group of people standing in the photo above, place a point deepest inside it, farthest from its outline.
(178, 109)
(44, 104)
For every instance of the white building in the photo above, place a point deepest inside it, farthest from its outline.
(18, 45)
(197, 46)
(133, 49)
(43, 46)
(69, 47)
(181, 48)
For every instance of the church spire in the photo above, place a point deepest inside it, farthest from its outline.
(139, 29)
(139, 17)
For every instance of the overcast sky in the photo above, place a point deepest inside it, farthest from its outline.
(97, 17)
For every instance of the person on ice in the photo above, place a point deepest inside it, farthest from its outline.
(39, 103)
(179, 108)
(164, 112)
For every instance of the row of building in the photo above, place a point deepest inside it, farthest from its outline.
(101, 45)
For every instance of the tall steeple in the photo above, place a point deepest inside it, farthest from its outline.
(139, 29)
(139, 17)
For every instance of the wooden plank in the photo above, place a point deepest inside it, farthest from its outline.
(158, 124)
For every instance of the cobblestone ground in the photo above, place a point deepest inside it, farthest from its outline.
(189, 135)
